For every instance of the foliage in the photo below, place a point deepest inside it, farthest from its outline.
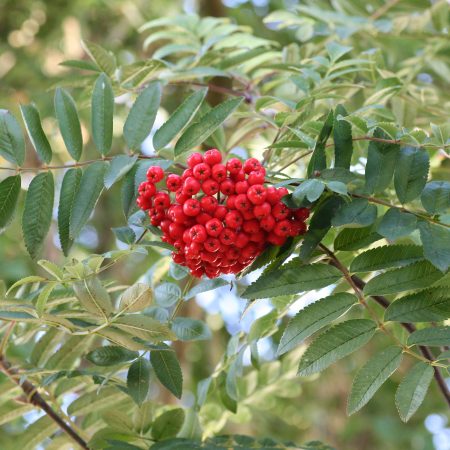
(342, 120)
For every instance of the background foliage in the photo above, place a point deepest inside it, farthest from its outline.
(346, 102)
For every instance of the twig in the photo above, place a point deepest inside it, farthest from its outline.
(36, 399)
(384, 9)
(359, 284)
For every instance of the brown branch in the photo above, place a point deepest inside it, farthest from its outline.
(34, 398)
(357, 282)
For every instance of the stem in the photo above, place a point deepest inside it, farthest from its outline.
(384, 9)
(401, 208)
(34, 398)
(358, 285)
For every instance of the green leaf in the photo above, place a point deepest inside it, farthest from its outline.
(125, 234)
(69, 123)
(342, 135)
(69, 189)
(53, 269)
(26, 280)
(336, 50)
(396, 224)
(136, 298)
(93, 296)
(145, 328)
(319, 225)
(104, 59)
(358, 213)
(119, 166)
(106, 398)
(168, 424)
(167, 294)
(411, 172)
(102, 114)
(43, 296)
(188, 329)
(138, 380)
(32, 121)
(371, 376)
(436, 244)
(313, 318)
(292, 280)
(381, 162)
(90, 188)
(263, 326)
(12, 142)
(9, 194)
(142, 115)
(311, 189)
(318, 159)
(412, 390)
(385, 257)
(37, 214)
(435, 337)
(414, 276)
(199, 131)
(111, 355)
(179, 119)
(431, 305)
(205, 286)
(336, 343)
(435, 197)
(351, 239)
(168, 370)
(129, 192)
(177, 271)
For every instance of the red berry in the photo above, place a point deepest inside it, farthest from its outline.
(227, 236)
(194, 159)
(176, 230)
(230, 202)
(155, 174)
(203, 218)
(272, 195)
(234, 165)
(212, 156)
(209, 203)
(251, 165)
(257, 194)
(161, 200)
(191, 207)
(251, 226)
(210, 187)
(301, 214)
(282, 191)
(280, 211)
(241, 187)
(214, 227)
(233, 219)
(256, 177)
(241, 240)
(180, 197)
(198, 233)
(227, 187)
(201, 171)
(191, 186)
(221, 212)
(267, 223)
(238, 176)
(219, 172)
(261, 211)
(212, 244)
(242, 203)
(173, 182)
(283, 228)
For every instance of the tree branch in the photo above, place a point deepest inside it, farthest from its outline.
(384, 302)
(36, 399)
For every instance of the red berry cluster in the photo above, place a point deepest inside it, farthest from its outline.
(222, 216)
